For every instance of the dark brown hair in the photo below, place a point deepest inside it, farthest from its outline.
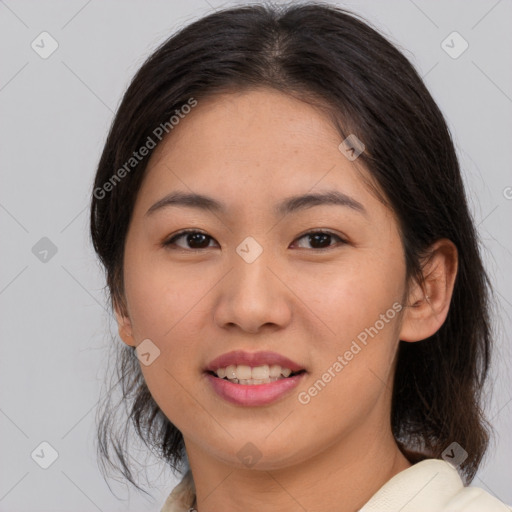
(324, 55)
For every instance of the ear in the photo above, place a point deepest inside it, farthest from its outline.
(124, 324)
(427, 306)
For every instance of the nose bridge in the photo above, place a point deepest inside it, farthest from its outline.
(252, 295)
(251, 259)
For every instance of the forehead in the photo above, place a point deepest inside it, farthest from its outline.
(252, 145)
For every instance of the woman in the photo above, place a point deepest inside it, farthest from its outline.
(294, 271)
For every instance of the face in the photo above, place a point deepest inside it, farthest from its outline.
(320, 284)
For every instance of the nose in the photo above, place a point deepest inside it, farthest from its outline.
(254, 295)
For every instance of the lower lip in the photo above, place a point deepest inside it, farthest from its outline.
(255, 394)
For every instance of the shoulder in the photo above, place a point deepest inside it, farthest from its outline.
(474, 499)
(431, 485)
(182, 496)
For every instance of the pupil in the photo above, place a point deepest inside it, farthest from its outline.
(195, 235)
(318, 236)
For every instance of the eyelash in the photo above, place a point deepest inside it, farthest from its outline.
(171, 241)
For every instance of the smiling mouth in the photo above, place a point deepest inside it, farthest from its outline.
(251, 376)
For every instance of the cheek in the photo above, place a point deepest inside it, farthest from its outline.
(358, 303)
(165, 312)
(354, 350)
(165, 306)
(160, 295)
(351, 295)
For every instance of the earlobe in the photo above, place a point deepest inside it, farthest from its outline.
(428, 305)
(124, 325)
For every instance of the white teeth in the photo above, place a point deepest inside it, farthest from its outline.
(275, 370)
(252, 382)
(244, 374)
(261, 372)
(230, 372)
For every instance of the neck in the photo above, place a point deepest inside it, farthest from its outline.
(342, 478)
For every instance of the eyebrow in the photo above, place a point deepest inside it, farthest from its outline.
(289, 205)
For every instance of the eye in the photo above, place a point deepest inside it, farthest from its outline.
(321, 238)
(197, 240)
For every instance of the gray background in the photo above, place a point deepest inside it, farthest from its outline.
(55, 113)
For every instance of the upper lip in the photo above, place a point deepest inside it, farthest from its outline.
(252, 359)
